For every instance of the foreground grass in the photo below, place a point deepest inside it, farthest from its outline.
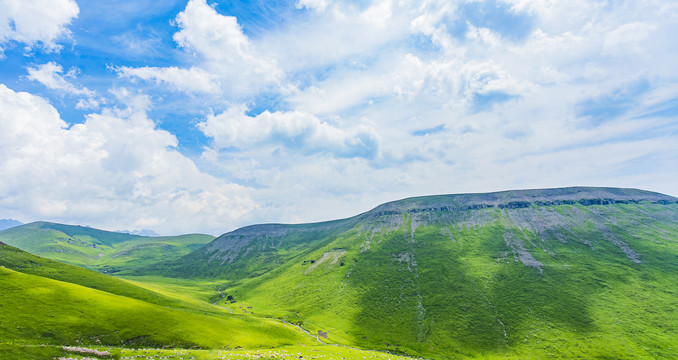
(8, 351)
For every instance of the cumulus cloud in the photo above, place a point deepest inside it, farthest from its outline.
(49, 74)
(296, 131)
(115, 170)
(36, 22)
(226, 60)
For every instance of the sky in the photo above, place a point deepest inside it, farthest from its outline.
(203, 116)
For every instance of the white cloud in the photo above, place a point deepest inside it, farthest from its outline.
(627, 37)
(49, 74)
(378, 13)
(115, 170)
(319, 5)
(193, 80)
(36, 21)
(227, 61)
(344, 34)
(295, 131)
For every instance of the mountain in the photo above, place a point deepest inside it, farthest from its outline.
(101, 250)
(555, 273)
(9, 223)
(142, 232)
(48, 303)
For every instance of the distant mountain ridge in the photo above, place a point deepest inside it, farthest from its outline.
(511, 199)
(9, 223)
(142, 232)
(524, 198)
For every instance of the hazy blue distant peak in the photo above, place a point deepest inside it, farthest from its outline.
(9, 223)
(142, 232)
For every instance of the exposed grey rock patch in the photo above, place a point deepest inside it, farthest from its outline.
(544, 222)
(520, 253)
(580, 220)
(413, 226)
(331, 256)
(609, 235)
(446, 231)
(365, 246)
(662, 233)
(379, 226)
(601, 221)
(478, 218)
(407, 259)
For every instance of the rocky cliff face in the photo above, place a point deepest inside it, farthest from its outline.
(524, 198)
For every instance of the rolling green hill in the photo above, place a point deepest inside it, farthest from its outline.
(45, 303)
(99, 250)
(556, 273)
(18, 260)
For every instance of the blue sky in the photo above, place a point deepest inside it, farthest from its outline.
(203, 116)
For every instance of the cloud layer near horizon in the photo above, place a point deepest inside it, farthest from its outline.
(328, 108)
(115, 169)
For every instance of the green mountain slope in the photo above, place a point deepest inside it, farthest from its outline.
(38, 309)
(100, 250)
(21, 261)
(565, 273)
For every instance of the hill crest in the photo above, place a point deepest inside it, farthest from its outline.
(511, 199)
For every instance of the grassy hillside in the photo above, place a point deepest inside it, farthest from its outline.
(44, 302)
(565, 273)
(99, 250)
(49, 311)
(21, 261)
